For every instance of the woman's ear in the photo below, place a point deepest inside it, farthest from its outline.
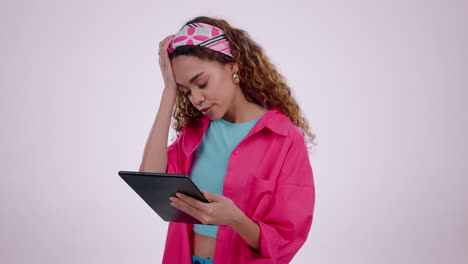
(233, 67)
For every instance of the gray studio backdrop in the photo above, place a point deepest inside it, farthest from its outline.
(383, 84)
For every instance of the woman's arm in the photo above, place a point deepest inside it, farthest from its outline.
(155, 153)
(248, 230)
(285, 225)
(220, 211)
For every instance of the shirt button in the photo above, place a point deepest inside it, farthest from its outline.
(228, 188)
(222, 227)
(236, 152)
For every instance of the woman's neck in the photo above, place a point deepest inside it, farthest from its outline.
(242, 111)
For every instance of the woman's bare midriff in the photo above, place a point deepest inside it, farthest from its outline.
(202, 246)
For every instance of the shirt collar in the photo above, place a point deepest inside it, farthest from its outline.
(274, 119)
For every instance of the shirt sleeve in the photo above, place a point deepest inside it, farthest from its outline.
(287, 222)
(174, 152)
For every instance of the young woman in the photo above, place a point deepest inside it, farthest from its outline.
(242, 138)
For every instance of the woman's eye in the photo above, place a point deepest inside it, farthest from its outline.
(200, 86)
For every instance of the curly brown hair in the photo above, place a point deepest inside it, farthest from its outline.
(260, 80)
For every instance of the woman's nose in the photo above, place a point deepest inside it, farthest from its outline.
(197, 98)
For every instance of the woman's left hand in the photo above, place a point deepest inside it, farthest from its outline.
(221, 210)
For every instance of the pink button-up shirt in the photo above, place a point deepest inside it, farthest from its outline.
(269, 177)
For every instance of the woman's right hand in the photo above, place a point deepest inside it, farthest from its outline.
(165, 63)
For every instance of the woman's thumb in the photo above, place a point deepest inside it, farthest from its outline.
(208, 195)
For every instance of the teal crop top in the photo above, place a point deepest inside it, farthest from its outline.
(212, 157)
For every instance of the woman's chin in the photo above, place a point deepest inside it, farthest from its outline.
(211, 114)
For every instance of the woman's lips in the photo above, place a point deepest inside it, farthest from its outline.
(206, 110)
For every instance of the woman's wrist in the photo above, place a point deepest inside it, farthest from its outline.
(237, 220)
(170, 89)
(247, 229)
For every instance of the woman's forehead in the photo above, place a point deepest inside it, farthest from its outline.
(191, 61)
(186, 67)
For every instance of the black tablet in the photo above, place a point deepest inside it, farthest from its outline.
(156, 188)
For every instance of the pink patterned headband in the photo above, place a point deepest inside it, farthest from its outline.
(203, 35)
